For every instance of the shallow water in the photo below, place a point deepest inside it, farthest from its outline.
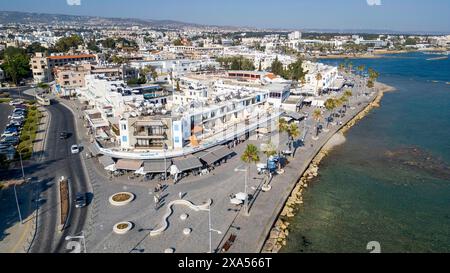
(390, 181)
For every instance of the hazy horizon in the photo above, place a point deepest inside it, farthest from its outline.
(413, 16)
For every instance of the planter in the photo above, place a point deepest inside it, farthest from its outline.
(183, 216)
(122, 227)
(187, 231)
(266, 188)
(121, 198)
(169, 250)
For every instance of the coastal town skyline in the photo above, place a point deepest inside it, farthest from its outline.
(241, 127)
(368, 15)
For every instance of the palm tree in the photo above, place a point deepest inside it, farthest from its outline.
(318, 78)
(270, 149)
(293, 132)
(330, 105)
(341, 67)
(251, 154)
(317, 115)
(282, 125)
(361, 68)
(350, 66)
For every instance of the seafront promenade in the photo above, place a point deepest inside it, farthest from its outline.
(269, 207)
(276, 237)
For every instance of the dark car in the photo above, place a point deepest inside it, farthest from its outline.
(13, 140)
(80, 200)
(63, 135)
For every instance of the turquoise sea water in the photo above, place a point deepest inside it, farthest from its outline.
(390, 182)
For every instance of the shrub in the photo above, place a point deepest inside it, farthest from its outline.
(5, 100)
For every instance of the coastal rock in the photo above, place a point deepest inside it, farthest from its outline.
(276, 248)
(274, 234)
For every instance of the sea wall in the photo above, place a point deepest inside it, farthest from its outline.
(279, 232)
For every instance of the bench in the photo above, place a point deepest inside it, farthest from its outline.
(228, 243)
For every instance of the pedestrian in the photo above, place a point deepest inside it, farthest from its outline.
(156, 200)
(180, 195)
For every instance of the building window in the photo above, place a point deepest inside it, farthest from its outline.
(177, 139)
(124, 126)
(124, 139)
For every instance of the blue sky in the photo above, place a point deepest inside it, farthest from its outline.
(402, 15)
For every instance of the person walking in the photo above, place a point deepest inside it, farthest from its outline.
(156, 200)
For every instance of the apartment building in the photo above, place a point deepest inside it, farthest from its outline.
(39, 67)
(42, 66)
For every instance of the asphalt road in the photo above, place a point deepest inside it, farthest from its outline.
(57, 161)
(5, 111)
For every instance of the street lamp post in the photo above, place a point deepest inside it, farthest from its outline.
(17, 203)
(210, 229)
(15, 191)
(78, 237)
(245, 188)
(165, 162)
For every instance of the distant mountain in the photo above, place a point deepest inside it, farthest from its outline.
(81, 20)
(44, 18)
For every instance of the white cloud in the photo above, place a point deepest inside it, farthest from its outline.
(374, 2)
(73, 2)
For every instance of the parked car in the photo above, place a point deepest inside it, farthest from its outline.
(80, 200)
(10, 133)
(74, 149)
(13, 140)
(19, 111)
(21, 106)
(18, 123)
(15, 102)
(4, 146)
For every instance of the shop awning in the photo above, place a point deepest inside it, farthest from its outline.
(213, 155)
(156, 166)
(105, 160)
(223, 152)
(187, 163)
(94, 149)
(128, 164)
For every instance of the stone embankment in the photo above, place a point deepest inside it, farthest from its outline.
(279, 232)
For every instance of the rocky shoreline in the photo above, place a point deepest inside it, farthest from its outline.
(279, 232)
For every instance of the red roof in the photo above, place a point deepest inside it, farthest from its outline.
(271, 76)
(71, 56)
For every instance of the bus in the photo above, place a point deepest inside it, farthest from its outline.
(42, 100)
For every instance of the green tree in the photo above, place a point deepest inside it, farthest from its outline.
(117, 59)
(330, 105)
(318, 79)
(317, 115)
(177, 42)
(270, 149)
(277, 67)
(251, 154)
(293, 132)
(295, 70)
(35, 47)
(109, 43)
(66, 43)
(282, 125)
(92, 46)
(16, 64)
